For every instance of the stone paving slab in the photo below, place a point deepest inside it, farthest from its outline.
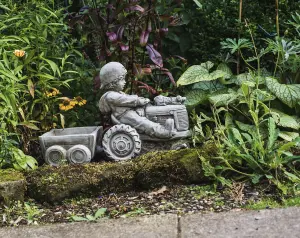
(263, 223)
(147, 227)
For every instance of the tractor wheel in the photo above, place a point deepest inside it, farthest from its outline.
(121, 142)
(55, 155)
(79, 154)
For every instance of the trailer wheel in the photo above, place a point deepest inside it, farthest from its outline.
(79, 154)
(121, 142)
(55, 155)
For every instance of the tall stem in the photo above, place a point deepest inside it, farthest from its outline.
(239, 36)
(277, 17)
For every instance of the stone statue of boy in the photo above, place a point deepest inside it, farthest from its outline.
(124, 108)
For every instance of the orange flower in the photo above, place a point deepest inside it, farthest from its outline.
(19, 53)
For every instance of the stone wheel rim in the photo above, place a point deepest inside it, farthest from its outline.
(121, 142)
(56, 155)
(79, 154)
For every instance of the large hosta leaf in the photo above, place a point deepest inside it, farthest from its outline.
(262, 95)
(223, 99)
(197, 73)
(210, 86)
(285, 120)
(195, 97)
(287, 93)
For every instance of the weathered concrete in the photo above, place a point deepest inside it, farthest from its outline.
(146, 227)
(265, 223)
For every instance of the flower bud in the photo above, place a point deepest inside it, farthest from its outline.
(112, 36)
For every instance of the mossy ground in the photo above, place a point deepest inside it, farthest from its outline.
(12, 186)
(7, 175)
(266, 203)
(148, 171)
(179, 199)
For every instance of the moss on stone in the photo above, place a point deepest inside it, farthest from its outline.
(147, 171)
(12, 186)
(10, 175)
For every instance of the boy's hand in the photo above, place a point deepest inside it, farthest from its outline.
(143, 101)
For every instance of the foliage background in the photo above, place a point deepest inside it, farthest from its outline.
(218, 20)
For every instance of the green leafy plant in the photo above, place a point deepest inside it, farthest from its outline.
(32, 213)
(37, 66)
(91, 218)
(251, 150)
(255, 138)
(11, 155)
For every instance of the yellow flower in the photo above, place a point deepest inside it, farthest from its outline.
(66, 105)
(19, 53)
(48, 94)
(73, 103)
(54, 92)
(80, 101)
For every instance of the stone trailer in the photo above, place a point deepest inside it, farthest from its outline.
(71, 145)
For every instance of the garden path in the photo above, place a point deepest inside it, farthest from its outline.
(263, 223)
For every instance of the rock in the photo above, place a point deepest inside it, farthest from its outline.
(149, 171)
(12, 186)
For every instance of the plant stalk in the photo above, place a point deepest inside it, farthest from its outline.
(277, 17)
(239, 36)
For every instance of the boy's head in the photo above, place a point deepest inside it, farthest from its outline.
(112, 76)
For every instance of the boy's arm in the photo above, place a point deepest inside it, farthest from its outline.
(125, 100)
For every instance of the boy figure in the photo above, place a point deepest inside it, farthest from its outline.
(123, 108)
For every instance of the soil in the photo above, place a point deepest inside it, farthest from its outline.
(176, 200)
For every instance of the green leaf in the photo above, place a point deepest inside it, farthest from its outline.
(31, 162)
(51, 13)
(273, 133)
(254, 116)
(237, 135)
(78, 218)
(286, 147)
(30, 86)
(255, 178)
(29, 125)
(243, 78)
(100, 212)
(288, 135)
(53, 66)
(222, 99)
(9, 74)
(224, 67)
(195, 97)
(62, 120)
(90, 218)
(285, 120)
(287, 93)
(292, 177)
(262, 95)
(4, 7)
(197, 73)
(246, 127)
(211, 86)
(198, 4)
